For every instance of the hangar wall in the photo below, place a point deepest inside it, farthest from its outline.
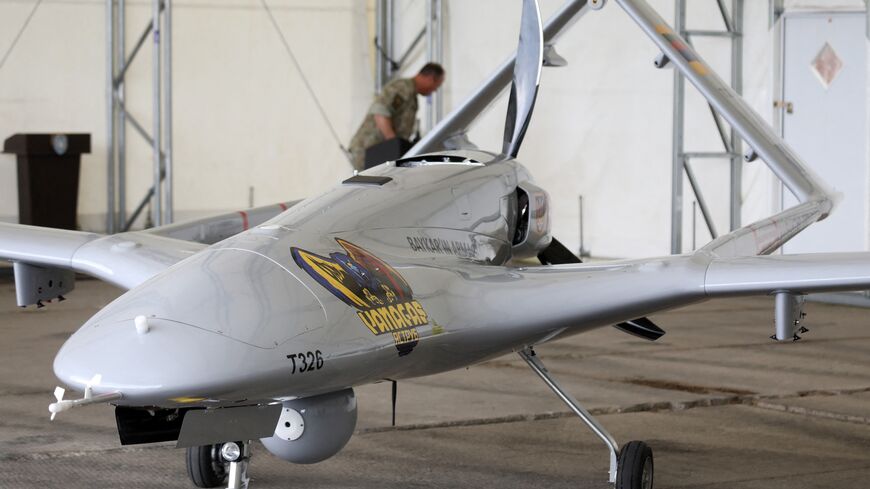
(242, 116)
(243, 119)
(602, 125)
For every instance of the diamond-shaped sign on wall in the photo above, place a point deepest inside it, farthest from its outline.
(826, 65)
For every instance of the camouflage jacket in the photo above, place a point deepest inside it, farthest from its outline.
(398, 101)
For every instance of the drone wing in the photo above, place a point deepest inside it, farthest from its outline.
(45, 259)
(125, 259)
(538, 304)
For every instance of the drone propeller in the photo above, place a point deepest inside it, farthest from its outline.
(527, 77)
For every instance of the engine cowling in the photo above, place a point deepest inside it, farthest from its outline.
(313, 429)
(532, 227)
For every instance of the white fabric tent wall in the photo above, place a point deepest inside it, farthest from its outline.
(242, 117)
(602, 127)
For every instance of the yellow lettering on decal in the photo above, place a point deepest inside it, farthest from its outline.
(397, 318)
(401, 308)
(424, 318)
(389, 314)
(388, 321)
(366, 319)
(382, 325)
(412, 313)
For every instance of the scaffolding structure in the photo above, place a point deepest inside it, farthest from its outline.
(388, 64)
(159, 31)
(731, 142)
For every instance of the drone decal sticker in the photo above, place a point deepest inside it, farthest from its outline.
(383, 299)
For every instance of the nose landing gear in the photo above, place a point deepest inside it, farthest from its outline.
(219, 464)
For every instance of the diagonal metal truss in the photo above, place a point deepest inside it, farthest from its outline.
(731, 142)
(388, 63)
(118, 62)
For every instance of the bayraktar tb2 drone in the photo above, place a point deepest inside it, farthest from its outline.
(404, 270)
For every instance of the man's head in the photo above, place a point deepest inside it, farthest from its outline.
(430, 77)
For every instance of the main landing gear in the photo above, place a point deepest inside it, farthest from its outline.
(216, 465)
(630, 467)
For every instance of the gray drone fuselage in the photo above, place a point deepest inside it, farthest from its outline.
(242, 321)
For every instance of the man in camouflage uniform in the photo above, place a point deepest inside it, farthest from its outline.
(394, 111)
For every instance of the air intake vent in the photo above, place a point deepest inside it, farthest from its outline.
(426, 160)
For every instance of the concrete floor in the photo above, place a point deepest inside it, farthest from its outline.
(721, 405)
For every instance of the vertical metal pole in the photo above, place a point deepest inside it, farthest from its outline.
(438, 97)
(156, 208)
(381, 77)
(167, 107)
(389, 33)
(582, 249)
(430, 51)
(737, 85)
(434, 52)
(677, 161)
(110, 116)
(120, 95)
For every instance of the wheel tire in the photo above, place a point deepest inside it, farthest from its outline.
(635, 467)
(205, 466)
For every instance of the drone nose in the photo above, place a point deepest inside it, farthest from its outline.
(207, 327)
(151, 363)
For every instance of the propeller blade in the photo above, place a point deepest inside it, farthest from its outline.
(58, 393)
(527, 77)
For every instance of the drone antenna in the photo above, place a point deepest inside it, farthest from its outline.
(395, 392)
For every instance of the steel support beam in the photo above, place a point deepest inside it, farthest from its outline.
(736, 142)
(121, 128)
(677, 150)
(731, 141)
(777, 8)
(702, 202)
(110, 116)
(156, 117)
(159, 28)
(435, 54)
(384, 29)
(402, 59)
(167, 112)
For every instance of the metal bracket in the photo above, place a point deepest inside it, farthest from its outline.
(238, 476)
(34, 284)
(528, 355)
(552, 58)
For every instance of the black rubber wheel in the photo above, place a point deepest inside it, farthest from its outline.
(635, 467)
(206, 467)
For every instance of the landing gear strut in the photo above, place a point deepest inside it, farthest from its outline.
(216, 465)
(631, 467)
